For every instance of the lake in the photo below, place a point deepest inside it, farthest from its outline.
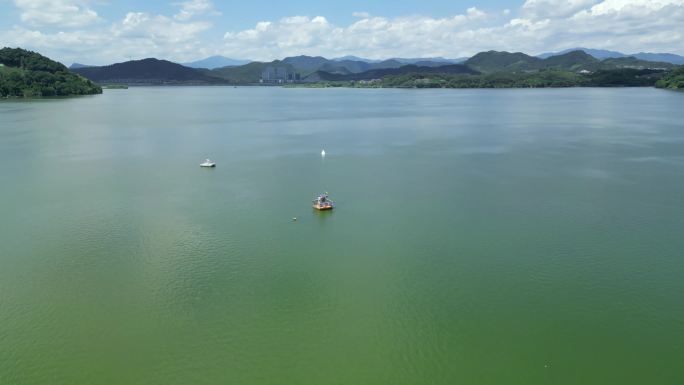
(480, 237)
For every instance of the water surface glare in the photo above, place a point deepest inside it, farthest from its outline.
(480, 237)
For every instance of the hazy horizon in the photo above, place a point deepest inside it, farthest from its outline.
(354, 57)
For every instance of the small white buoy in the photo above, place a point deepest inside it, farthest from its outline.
(323, 153)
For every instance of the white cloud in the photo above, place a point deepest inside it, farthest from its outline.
(536, 26)
(543, 9)
(61, 13)
(375, 37)
(157, 29)
(138, 35)
(632, 6)
(192, 8)
(631, 26)
(474, 13)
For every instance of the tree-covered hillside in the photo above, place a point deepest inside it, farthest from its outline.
(673, 80)
(147, 71)
(492, 61)
(248, 73)
(28, 74)
(626, 77)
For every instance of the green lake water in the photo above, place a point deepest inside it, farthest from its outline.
(480, 237)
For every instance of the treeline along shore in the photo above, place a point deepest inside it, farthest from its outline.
(28, 74)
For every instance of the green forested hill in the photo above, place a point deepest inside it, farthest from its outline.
(246, 74)
(493, 61)
(673, 80)
(147, 71)
(28, 74)
(450, 69)
(571, 61)
(624, 77)
(632, 62)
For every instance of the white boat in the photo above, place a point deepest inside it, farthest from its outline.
(323, 153)
(208, 163)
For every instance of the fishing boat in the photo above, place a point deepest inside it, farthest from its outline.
(322, 202)
(208, 163)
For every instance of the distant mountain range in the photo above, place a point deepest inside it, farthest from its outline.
(493, 61)
(78, 65)
(666, 57)
(217, 61)
(597, 53)
(605, 54)
(431, 59)
(404, 60)
(308, 65)
(449, 69)
(353, 64)
(146, 71)
(248, 73)
(317, 68)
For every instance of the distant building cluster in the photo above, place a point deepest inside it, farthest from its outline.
(371, 81)
(272, 74)
(642, 67)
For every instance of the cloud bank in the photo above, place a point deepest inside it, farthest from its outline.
(67, 13)
(72, 30)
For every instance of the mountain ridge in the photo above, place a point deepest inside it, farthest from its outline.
(317, 68)
(450, 69)
(403, 60)
(146, 71)
(305, 65)
(216, 61)
(606, 54)
(79, 65)
(575, 61)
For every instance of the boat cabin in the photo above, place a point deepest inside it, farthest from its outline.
(323, 202)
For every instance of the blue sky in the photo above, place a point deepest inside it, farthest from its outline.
(245, 14)
(106, 31)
